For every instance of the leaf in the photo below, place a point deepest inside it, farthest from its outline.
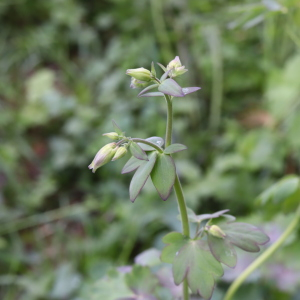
(163, 175)
(150, 257)
(137, 151)
(245, 236)
(153, 71)
(148, 88)
(164, 68)
(141, 281)
(117, 128)
(132, 164)
(192, 260)
(155, 140)
(189, 90)
(171, 87)
(165, 75)
(140, 177)
(222, 250)
(153, 94)
(175, 148)
(285, 193)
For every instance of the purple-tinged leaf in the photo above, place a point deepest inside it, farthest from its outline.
(188, 90)
(175, 148)
(222, 250)
(163, 175)
(155, 140)
(153, 94)
(163, 68)
(192, 260)
(132, 164)
(171, 87)
(140, 177)
(200, 218)
(245, 236)
(137, 151)
(148, 88)
(165, 75)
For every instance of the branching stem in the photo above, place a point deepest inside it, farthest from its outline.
(137, 140)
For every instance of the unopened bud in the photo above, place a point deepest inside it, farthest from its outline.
(112, 135)
(216, 231)
(104, 155)
(120, 153)
(140, 74)
(176, 67)
(138, 84)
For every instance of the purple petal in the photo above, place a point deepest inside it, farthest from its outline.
(165, 75)
(171, 87)
(188, 90)
(153, 94)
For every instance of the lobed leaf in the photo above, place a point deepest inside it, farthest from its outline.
(175, 148)
(132, 164)
(140, 177)
(137, 151)
(171, 87)
(163, 175)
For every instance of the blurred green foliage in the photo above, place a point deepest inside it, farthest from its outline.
(62, 70)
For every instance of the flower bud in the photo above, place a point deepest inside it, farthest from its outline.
(120, 153)
(216, 231)
(140, 74)
(104, 155)
(176, 67)
(138, 84)
(112, 135)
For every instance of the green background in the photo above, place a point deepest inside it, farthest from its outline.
(62, 81)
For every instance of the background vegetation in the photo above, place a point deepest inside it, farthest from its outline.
(62, 70)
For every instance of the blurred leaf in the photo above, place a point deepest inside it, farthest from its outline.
(140, 177)
(132, 164)
(163, 175)
(175, 148)
(155, 140)
(137, 151)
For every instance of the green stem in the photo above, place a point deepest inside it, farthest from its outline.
(178, 190)
(169, 121)
(160, 150)
(263, 257)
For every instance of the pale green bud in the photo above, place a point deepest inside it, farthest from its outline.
(216, 231)
(103, 156)
(176, 67)
(140, 74)
(137, 84)
(112, 135)
(120, 153)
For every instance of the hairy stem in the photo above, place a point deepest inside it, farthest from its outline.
(160, 150)
(263, 257)
(178, 190)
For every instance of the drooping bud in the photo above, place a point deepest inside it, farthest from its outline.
(140, 74)
(138, 84)
(176, 67)
(120, 153)
(112, 135)
(104, 155)
(216, 231)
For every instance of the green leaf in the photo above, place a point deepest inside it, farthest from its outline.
(285, 193)
(245, 236)
(153, 71)
(148, 88)
(222, 250)
(175, 240)
(132, 164)
(141, 281)
(175, 148)
(140, 177)
(192, 260)
(163, 175)
(137, 151)
(155, 140)
(117, 128)
(149, 257)
(163, 68)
